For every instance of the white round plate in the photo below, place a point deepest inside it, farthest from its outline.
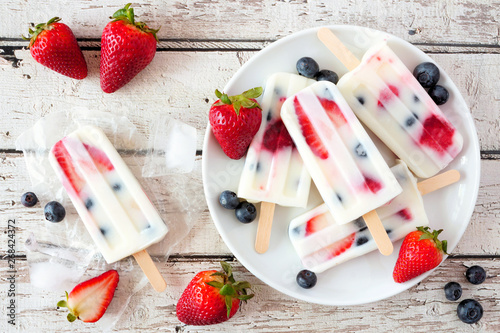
(369, 277)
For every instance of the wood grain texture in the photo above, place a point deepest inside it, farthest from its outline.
(465, 22)
(415, 310)
(181, 85)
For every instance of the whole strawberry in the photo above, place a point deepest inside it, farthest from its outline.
(235, 120)
(89, 300)
(212, 297)
(420, 252)
(127, 47)
(53, 45)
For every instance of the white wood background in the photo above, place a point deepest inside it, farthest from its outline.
(203, 43)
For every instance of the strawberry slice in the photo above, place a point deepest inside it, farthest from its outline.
(89, 300)
(340, 246)
(100, 159)
(66, 163)
(276, 137)
(315, 224)
(437, 134)
(405, 213)
(387, 94)
(333, 111)
(372, 184)
(308, 132)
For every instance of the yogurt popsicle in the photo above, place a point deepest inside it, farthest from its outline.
(274, 172)
(115, 210)
(386, 97)
(346, 167)
(322, 244)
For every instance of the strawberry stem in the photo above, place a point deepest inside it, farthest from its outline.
(246, 100)
(127, 14)
(33, 34)
(230, 289)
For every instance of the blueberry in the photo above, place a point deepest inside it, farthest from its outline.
(469, 311)
(453, 291)
(361, 100)
(361, 240)
(307, 67)
(327, 75)
(306, 279)
(427, 74)
(54, 212)
(360, 150)
(117, 187)
(475, 274)
(439, 94)
(29, 199)
(246, 212)
(410, 121)
(229, 200)
(89, 203)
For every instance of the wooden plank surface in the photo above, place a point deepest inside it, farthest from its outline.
(182, 85)
(415, 310)
(464, 22)
(202, 44)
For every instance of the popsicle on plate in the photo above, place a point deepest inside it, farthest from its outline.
(346, 167)
(387, 98)
(321, 243)
(118, 215)
(274, 172)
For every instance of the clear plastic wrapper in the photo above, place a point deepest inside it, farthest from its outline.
(66, 247)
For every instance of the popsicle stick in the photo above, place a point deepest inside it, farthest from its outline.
(378, 232)
(328, 38)
(149, 268)
(264, 227)
(435, 183)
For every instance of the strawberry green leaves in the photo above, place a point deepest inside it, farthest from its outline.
(238, 101)
(230, 288)
(426, 234)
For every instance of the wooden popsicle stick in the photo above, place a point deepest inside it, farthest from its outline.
(378, 232)
(264, 227)
(328, 38)
(435, 183)
(149, 268)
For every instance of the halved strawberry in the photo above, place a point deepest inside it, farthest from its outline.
(64, 159)
(308, 132)
(340, 246)
(89, 300)
(315, 224)
(333, 111)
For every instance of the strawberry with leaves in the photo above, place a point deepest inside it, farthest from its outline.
(212, 297)
(420, 252)
(53, 45)
(235, 120)
(127, 47)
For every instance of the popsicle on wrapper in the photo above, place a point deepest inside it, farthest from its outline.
(118, 215)
(386, 97)
(351, 176)
(274, 172)
(321, 243)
